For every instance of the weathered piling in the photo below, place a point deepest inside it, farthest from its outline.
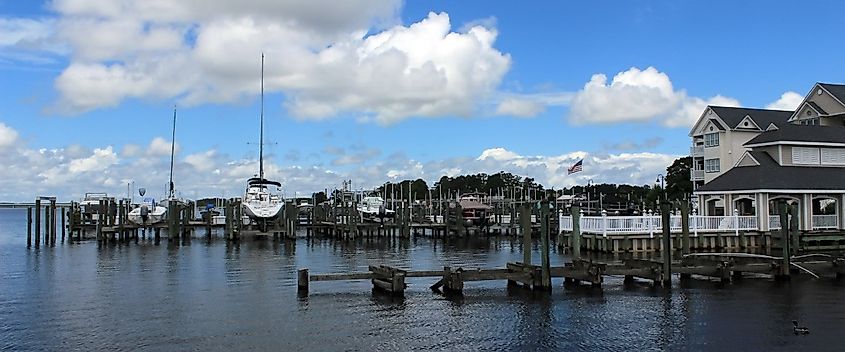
(101, 210)
(172, 220)
(37, 222)
(576, 233)
(47, 234)
(685, 245)
(302, 282)
(784, 210)
(667, 244)
(525, 225)
(545, 230)
(64, 223)
(53, 221)
(28, 227)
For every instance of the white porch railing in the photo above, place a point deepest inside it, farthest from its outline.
(696, 150)
(825, 222)
(774, 222)
(610, 225)
(697, 174)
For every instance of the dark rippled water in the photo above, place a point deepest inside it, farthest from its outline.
(217, 296)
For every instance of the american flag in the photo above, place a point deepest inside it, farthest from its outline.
(575, 167)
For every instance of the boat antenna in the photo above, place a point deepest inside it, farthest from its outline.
(261, 138)
(172, 151)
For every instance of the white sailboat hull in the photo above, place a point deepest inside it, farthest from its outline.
(259, 211)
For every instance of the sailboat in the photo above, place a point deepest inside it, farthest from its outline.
(259, 203)
(150, 213)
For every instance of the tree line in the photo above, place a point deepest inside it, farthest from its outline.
(677, 187)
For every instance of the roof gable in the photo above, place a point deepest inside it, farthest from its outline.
(747, 160)
(747, 123)
(837, 91)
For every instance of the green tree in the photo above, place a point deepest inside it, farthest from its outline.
(678, 183)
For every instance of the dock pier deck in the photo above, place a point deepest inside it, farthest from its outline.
(720, 266)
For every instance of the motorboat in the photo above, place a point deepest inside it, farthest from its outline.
(372, 209)
(148, 213)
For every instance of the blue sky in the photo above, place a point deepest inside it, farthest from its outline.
(335, 121)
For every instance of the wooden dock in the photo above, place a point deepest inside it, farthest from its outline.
(720, 266)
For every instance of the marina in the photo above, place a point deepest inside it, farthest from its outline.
(388, 175)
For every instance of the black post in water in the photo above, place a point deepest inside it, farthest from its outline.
(667, 244)
(37, 222)
(544, 255)
(28, 227)
(783, 211)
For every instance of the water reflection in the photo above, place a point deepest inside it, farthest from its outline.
(213, 294)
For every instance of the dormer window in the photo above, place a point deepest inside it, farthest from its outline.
(711, 140)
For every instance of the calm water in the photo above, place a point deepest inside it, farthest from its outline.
(219, 296)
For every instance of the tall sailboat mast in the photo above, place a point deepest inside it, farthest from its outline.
(172, 152)
(261, 138)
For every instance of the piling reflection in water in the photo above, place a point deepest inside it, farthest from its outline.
(216, 295)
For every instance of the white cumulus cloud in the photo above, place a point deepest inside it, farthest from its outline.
(637, 95)
(328, 58)
(98, 161)
(8, 135)
(787, 101)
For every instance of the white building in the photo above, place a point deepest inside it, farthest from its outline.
(747, 160)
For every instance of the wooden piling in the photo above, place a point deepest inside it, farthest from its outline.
(685, 247)
(545, 230)
(576, 233)
(53, 222)
(302, 282)
(525, 226)
(64, 223)
(28, 227)
(37, 222)
(47, 234)
(172, 220)
(667, 244)
(783, 211)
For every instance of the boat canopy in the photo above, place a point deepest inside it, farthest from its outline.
(256, 181)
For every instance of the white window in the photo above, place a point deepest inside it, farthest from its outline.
(711, 165)
(711, 140)
(805, 156)
(833, 156)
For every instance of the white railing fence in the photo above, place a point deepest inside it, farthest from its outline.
(651, 224)
(825, 222)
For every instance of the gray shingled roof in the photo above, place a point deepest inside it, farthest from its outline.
(770, 175)
(763, 117)
(801, 133)
(818, 108)
(838, 90)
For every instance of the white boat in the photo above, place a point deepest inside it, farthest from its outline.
(260, 204)
(372, 209)
(90, 205)
(148, 213)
